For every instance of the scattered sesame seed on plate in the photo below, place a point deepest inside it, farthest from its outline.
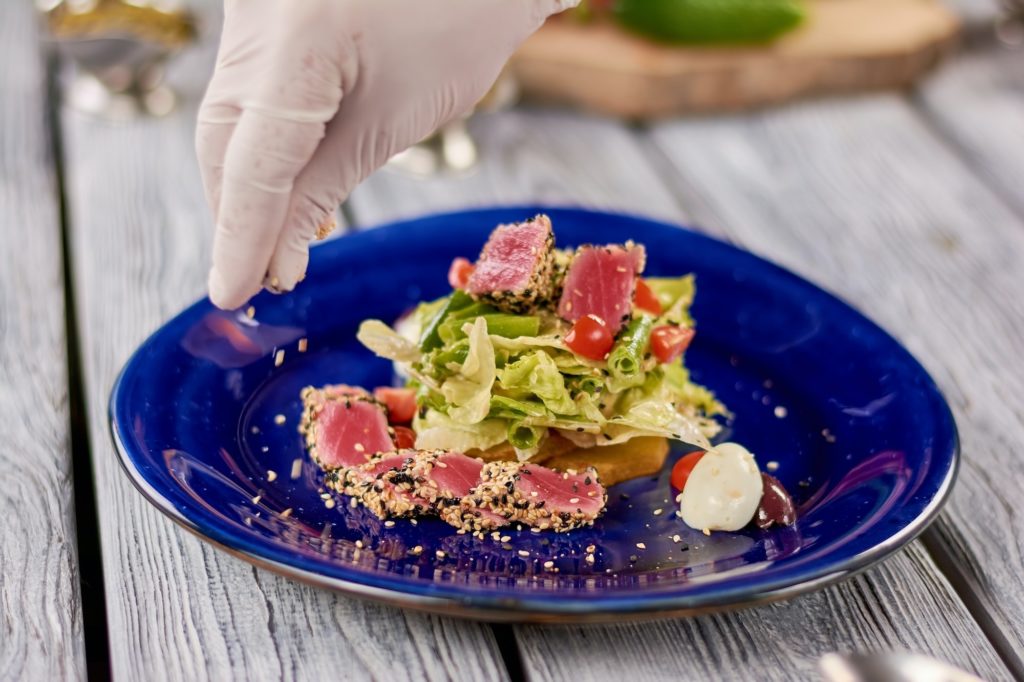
(359, 544)
(418, 549)
(781, 412)
(440, 554)
(329, 503)
(389, 524)
(296, 468)
(506, 538)
(523, 552)
(657, 512)
(772, 466)
(286, 513)
(250, 312)
(256, 500)
(279, 358)
(590, 558)
(676, 539)
(303, 345)
(271, 475)
(254, 430)
(706, 531)
(549, 564)
(279, 419)
(641, 545)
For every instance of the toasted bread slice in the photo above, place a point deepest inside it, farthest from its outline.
(614, 463)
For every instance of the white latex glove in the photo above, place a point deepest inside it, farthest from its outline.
(311, 96)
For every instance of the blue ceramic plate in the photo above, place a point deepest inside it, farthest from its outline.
(862, 436)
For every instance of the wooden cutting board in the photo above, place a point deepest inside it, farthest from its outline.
(843, 46)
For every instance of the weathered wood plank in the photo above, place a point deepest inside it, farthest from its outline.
(860, 196)
(40, 605)
(905, 603)
(977, 103)
(177, 608)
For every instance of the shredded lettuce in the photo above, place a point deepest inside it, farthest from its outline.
(537, 374)
(469, 390)
(436, 430)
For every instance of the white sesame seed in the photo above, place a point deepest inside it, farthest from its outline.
(359, 544)
(535, 530)
(256, 500)
(549, 564)
(286, 513)
(296, 468)
(676, 539)
(772, 466)
(574, 500)
(250, 312)
(441, 464)
(279, 419)
(271, 475)
(279, 358)
(590, 558)
(706, 531)
(440, 554)
(506, 538)
(657, 512)
(354, 502)
(523, 552)
(533, 493)
(329, 503)
(781, 412)
(591, 549)
(414, 522)
(303, 345)
(389, 524)
(248, 520)
(265, 448)
(418, 549)
(358, 447)
(254, 430)
(641, 545)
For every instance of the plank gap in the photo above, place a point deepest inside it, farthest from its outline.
(508, 647)
(961, 584)
(87, 536)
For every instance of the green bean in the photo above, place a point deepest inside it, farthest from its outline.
(509, 408)
(523, 436)
(429, 339)
(499, 324)
(626, 359)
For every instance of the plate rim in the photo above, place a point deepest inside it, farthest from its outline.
(519, 608)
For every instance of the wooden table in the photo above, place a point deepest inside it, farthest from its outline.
(908, 205)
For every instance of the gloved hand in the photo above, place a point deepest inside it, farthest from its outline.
(309, 97)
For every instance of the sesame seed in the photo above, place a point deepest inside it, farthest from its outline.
(565, 477)
(440, 554)
(265, 448)
(641, 545)
(676, 539)
(303, 345)
(549, 564)
(256, 500)
(354, 502)
(418, 549)
(772, 466)
(271, 475)
(619, 268)
(591, 549)
(573, 500)
(248, 520)
(359, 544)
(781, 412)
(523, 552)
(358, 447)
(286, 513)
(590, 558)
(250, 312)
(329, 503)
(441, 464)
(279, 419)
(506, 538)
(533, 493)
(657, 512)
(254, 430)
(389, 524)
(414, 522)
(279, 358)
(706, 532)
(535, 530)
(296, 468)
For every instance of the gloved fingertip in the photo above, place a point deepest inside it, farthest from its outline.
(223, 294)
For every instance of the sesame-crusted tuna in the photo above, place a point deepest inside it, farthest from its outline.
(382, 485)
(514, 271)
(537, 496)
(343, 428)
(446, 478)
(601, 282)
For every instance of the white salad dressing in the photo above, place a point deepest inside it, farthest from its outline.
(723, 490)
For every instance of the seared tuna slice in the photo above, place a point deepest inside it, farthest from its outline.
(537, 496)
(514, 271)
(601, 282)
(383, 486)
(343, 429)
(445, 478)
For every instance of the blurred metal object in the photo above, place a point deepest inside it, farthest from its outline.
(452, 149)
(1010, 24)
(889, 668)
(119, 48)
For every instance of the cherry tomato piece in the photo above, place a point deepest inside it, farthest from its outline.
(404, 437)
(401, 403)
(669, 342)
(590, 338)
(681, 471)
(459, 272)
(645, 299)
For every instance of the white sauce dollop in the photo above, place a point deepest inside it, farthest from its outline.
(723, 490)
